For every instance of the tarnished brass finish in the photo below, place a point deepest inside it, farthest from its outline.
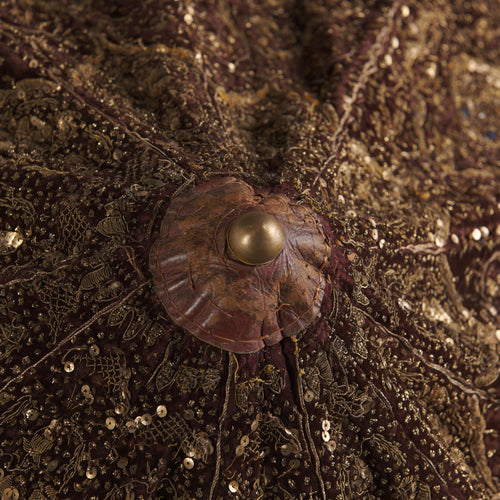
(255, 238)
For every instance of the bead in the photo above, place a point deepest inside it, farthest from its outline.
(476, 234)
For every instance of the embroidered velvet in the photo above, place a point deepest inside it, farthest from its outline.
(382, 117)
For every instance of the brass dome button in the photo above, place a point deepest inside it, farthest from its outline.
(255, 238)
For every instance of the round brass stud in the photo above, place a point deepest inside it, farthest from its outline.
(255, 238)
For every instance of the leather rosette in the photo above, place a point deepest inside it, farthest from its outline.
(221, 300)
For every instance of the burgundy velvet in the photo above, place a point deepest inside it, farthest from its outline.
(383, 117)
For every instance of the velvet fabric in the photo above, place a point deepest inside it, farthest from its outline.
(382, 116)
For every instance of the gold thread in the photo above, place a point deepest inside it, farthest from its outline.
(307, 429)
(221, 424)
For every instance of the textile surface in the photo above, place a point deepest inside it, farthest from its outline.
(381, 116)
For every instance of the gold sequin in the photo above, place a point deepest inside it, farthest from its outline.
(69, 367)
(309, 396)
(285, 449)
(331, 446)
(94, 350)
(91, 473)
(119, 408)
(234, 486)
(131, 426)
(10, 494)
(110, 423)
(161, 411)
(146, 419)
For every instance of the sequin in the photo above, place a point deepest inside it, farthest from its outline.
(107, 134)
(146, 419)
(309, 396)
(69, 366)
(234, 486)
(161, 411)
(119, 408)
(331, 446)
(110, 423)
(131, 426)
(10, 494)
(286, 449)
(91, 473)
(94, 350)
